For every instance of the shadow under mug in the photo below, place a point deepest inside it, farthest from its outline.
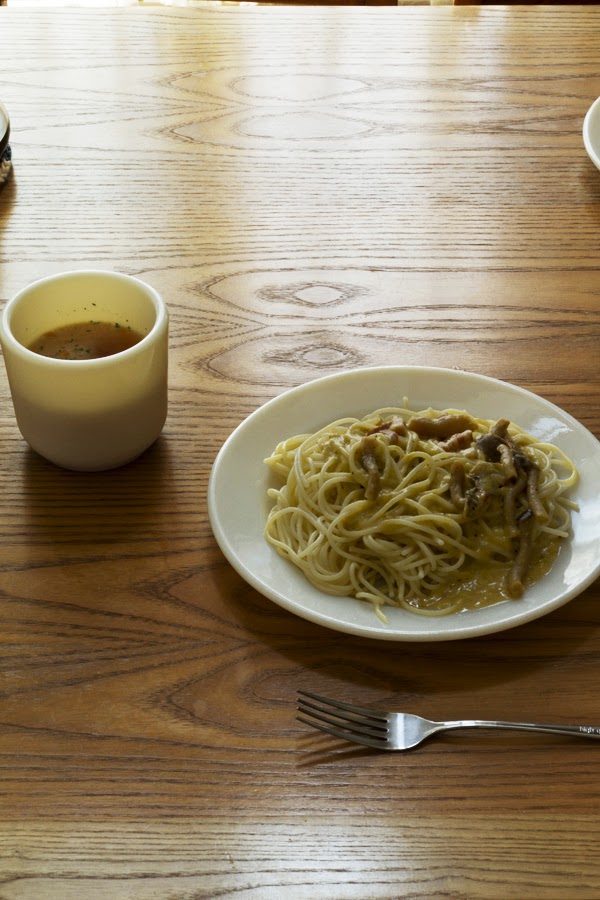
(87, 414)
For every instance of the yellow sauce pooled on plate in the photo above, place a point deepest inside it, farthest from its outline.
(483, 585)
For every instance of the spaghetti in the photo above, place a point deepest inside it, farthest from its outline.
(400, 506)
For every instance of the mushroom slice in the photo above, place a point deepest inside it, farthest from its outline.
(367, 451)
(443, 427)
(516, 576)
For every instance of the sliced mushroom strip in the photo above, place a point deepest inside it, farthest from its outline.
(514, 579)
(367, 455)
(489, 443)
(488, 477)
(476, 501)
(510, 504)
(443, 427)
(457, 483)
(457, 442)
(483, 481)
(392, 436)
(395, 426)
(507, 460)
(399, 427)
(533, 494)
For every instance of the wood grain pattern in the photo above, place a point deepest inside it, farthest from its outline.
(311, 191)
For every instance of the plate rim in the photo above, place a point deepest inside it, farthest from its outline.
(592, 152)
(465, 631)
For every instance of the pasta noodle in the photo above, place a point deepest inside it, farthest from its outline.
(397, 507)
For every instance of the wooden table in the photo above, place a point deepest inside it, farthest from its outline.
(311, 190)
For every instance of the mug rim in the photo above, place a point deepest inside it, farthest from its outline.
(161, 319)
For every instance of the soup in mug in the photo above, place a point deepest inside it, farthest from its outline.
(86, 340)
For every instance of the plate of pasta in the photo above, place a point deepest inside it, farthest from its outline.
(410, 503)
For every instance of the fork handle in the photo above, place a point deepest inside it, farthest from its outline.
(587, 731)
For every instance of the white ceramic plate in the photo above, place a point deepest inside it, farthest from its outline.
(238, 502)
(591, 132)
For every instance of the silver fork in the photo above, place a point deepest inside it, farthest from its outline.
(401, 731)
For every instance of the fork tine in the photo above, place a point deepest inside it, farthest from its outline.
(359, 710)
(339, 720)
(345, 735)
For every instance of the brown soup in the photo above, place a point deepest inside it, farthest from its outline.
(86, 340)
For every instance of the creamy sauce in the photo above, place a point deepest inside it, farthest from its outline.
(86, 340)
(482, 585)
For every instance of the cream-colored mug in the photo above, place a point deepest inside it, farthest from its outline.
(94, 413)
